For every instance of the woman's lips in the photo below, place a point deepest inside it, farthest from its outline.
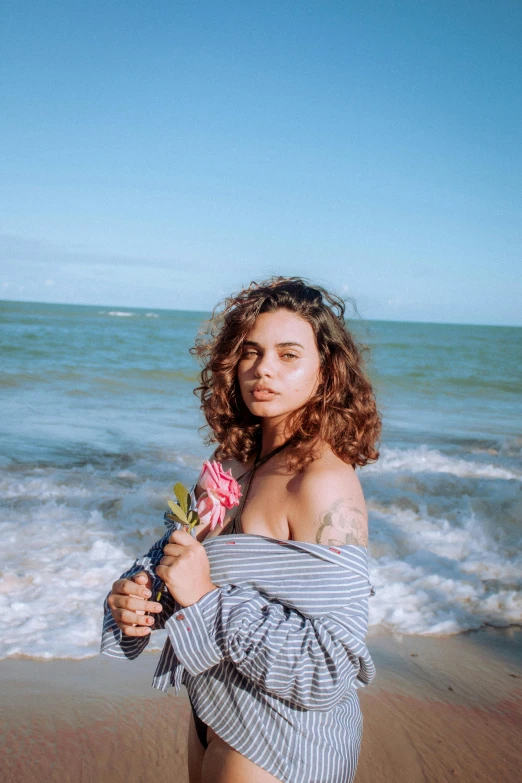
(263, 394)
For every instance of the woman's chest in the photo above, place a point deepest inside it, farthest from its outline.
(265, 509)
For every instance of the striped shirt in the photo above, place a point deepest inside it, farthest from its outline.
(273, 657)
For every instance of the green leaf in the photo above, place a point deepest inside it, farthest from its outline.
(193, 517)
(182, 495)
(178, 512)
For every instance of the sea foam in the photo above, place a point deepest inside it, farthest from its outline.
(438, 562)
(445, 542)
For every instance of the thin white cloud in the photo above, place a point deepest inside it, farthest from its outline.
(16, 249)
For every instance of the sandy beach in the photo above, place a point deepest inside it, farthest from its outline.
(440, 709)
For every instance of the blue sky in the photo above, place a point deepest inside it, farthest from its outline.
(163, 154)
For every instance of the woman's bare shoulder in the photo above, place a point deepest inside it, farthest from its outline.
(328, 504)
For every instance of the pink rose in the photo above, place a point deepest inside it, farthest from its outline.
(214, 478)
(221, 491)
(210, 509)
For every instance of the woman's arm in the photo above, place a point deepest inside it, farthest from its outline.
(310, 662)
(328, 506)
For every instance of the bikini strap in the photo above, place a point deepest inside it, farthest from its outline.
(258, 462)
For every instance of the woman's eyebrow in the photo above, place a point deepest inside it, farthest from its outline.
(278, 345)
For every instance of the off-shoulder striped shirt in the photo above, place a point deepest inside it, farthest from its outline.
(273, 657)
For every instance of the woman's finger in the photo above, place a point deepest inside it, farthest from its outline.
(143, 577)
(131, 630)
(134, 604)
(166, 560)
(175, 550)
(128, 587)
(126, 617)
(163, 570)
(181, 537)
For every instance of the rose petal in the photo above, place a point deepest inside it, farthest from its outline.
(208, 480)
(205, 507)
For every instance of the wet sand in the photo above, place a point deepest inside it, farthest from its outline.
(440, 709)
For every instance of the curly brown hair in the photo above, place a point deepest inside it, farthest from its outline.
(342, 412)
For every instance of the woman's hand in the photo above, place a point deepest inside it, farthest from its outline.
(185, 569)
(128, 604)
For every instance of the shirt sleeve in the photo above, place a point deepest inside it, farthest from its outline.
(310, 662)
(114, 643)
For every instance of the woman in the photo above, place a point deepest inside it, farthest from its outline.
(268, 639)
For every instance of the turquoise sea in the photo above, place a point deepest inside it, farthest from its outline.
(99, 420)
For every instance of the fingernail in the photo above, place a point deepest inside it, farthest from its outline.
(147, 593)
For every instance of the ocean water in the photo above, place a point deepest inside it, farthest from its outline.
(99, 420)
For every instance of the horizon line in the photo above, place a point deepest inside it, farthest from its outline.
(209, 312)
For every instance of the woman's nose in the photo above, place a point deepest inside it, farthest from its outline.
(264, 365)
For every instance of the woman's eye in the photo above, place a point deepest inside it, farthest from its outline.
(248, 354)
(290, 355)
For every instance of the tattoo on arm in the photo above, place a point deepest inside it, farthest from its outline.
(343, 524)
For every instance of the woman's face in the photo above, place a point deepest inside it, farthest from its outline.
(279, 369)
